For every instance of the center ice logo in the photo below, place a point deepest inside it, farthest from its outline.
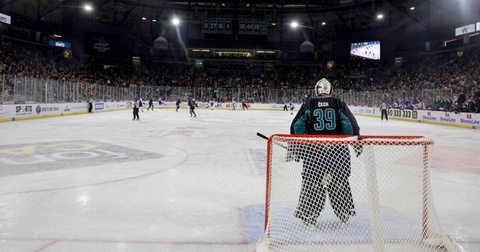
(37, 157)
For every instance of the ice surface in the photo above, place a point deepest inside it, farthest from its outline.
(102, 182)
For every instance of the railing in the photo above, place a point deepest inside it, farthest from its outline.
(18, 89)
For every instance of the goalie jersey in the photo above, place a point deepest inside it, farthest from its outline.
(324, 115)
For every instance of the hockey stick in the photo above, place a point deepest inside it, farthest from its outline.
(289, 148)
(266, 138)
(262, 135)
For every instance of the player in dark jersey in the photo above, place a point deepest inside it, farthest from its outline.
(244, 105)
(325, 173)
(135, 111)
(192, 104)
(150, 104)
(177, 104)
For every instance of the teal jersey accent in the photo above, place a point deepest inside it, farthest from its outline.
(300, 126)
(324, 115)
(347, 128)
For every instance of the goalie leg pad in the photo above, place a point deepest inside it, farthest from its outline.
(312, 194)
(341, 198)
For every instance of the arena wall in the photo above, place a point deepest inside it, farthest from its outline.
(13, 112)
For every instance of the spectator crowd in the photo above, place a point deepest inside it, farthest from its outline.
(447, 80)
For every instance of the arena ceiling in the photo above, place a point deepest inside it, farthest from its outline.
(341, 14)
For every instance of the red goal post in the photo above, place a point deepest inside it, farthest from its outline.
(389, 183)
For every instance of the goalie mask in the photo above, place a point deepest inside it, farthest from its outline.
(323, 87)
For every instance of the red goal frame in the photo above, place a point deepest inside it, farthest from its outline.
(378, 140)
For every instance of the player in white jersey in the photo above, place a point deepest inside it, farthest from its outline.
(291, 107)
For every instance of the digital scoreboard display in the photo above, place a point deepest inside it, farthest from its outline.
(366, 50)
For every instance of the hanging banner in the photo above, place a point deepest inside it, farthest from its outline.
(252, 26)
(5, 19)
(217, 25)
(101, 44)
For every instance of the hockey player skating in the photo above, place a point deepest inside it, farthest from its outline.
(140, 104)
(234, 104)
(211, 104)
(291, 107)
(150, 104)
(192, 104)
(244, 106)
(325, 169)
(135, 111)
(177, 104)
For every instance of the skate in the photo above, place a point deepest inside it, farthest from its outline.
(307, 221)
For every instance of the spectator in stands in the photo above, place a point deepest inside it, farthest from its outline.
(28, 62)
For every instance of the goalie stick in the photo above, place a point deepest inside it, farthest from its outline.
(266, 138)
(262, 135)
(289, 148)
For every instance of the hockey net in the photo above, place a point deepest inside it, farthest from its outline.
(338, 193)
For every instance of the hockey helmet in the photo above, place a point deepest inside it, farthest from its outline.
(323, 86)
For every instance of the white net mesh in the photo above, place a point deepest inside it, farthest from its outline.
(321, 196)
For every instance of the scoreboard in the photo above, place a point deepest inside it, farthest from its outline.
(225, 26)
(217, 25)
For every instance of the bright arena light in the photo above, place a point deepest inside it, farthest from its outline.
(175, 21)
(88, 7)
(294, 24)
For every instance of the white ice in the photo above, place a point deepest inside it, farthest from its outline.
(169, 182)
